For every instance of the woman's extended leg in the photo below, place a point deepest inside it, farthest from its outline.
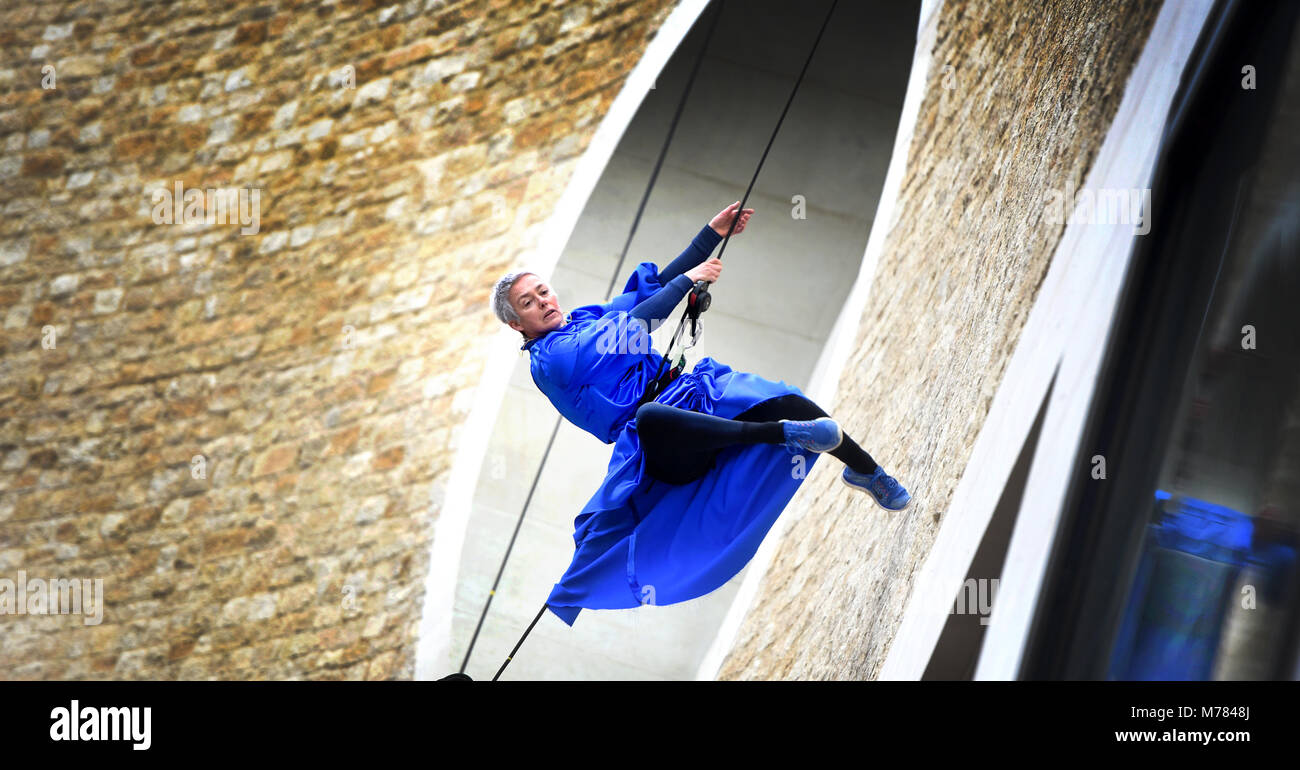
(681, 446)
(793, 406)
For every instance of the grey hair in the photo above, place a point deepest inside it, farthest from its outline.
(505, 312)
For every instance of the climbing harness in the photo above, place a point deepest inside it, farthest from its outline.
(698, 301)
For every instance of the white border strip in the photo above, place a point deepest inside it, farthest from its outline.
(1126, 160)
(433, 648)
(824, 384)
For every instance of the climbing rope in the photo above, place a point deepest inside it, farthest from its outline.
(663, 153)
(697, 302)
(699, 299)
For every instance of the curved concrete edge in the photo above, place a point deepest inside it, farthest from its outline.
(1067, 328)
(433, 646)
(823, 385)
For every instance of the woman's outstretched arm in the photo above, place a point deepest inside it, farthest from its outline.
(706, 241)
(702, 245)
(675, 279)
(656, 309)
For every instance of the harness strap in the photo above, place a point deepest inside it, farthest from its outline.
(656, 386)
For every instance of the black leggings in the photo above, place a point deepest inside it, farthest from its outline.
(681, 446)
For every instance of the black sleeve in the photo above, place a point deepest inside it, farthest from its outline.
(655, 309)
(705, 241)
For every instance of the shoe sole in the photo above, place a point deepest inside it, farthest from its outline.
(867, 492)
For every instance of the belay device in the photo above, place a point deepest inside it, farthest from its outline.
(696, 302)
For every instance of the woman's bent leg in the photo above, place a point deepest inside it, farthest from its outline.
(681, 446)
(793, 406)
(694, 430)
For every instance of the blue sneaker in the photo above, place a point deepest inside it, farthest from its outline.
(885, 489)
(820, 435)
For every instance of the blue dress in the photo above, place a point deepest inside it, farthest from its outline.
(639, 540)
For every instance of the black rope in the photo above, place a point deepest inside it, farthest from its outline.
(663, 152)
(509, 548)
(609, 294)
(520, 642)
(799, 81)
(735, 219)
(701, 287)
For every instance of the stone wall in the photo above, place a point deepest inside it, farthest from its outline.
(1017, 102)
(246, 435)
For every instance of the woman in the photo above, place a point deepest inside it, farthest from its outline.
(699, 474)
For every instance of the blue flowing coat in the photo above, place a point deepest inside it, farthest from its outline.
(639, 540)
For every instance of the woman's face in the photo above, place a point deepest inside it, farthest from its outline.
(537, 305)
